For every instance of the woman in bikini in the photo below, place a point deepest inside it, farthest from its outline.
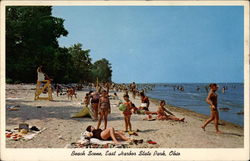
(107, 134)
(212, 101)
(104, 109)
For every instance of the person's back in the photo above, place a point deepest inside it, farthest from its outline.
(40, 74)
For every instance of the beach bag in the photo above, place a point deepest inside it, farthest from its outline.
(122, 107)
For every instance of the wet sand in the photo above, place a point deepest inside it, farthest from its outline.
(62, 130)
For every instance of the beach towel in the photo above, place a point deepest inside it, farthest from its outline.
(15, 135)
(85, 112)
(87, 142)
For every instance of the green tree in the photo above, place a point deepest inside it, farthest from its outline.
(102, 70)
(31, 40)
(81, 63)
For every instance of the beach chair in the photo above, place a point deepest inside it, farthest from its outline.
(40, 90)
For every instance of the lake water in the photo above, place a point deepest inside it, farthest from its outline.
(193, 99)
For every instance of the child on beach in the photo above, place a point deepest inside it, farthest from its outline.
(127, 113)
(104, 109)
(86, 99)
(212, 101)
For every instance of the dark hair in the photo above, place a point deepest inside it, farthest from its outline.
(88, 128)
(126, 95)
(142, 94)
(212, 84)
(90, 92)
(163, 101)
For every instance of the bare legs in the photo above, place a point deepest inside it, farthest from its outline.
(109, 132)
(95, 109)
(127, 122)
(103, 114)
(214, 116)
(175, 118)
(150, 112)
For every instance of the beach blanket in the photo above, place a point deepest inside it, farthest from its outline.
(13, 108)
(15, 135)
(85, 112)
(87, 142)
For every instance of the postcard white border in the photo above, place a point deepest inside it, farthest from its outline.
(186, 154)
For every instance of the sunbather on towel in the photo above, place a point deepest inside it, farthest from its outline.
(107, 134)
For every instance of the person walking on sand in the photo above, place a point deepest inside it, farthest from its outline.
(104, 109)
(212, 101)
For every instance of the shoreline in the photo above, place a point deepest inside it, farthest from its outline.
(61, 129)
(193, 113)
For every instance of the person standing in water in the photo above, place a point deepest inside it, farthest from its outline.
(212, 101)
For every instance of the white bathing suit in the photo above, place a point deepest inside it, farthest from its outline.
(40, 76)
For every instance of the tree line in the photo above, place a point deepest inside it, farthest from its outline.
(31, 40)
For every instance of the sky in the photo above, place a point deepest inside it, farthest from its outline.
(160, 44)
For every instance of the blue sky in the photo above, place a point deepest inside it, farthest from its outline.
(161, 44)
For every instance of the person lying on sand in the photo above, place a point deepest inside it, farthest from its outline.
(107, 134)
(161, 113)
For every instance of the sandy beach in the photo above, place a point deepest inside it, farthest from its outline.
(61, 129)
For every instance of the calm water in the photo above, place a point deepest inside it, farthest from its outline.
(194, 99)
